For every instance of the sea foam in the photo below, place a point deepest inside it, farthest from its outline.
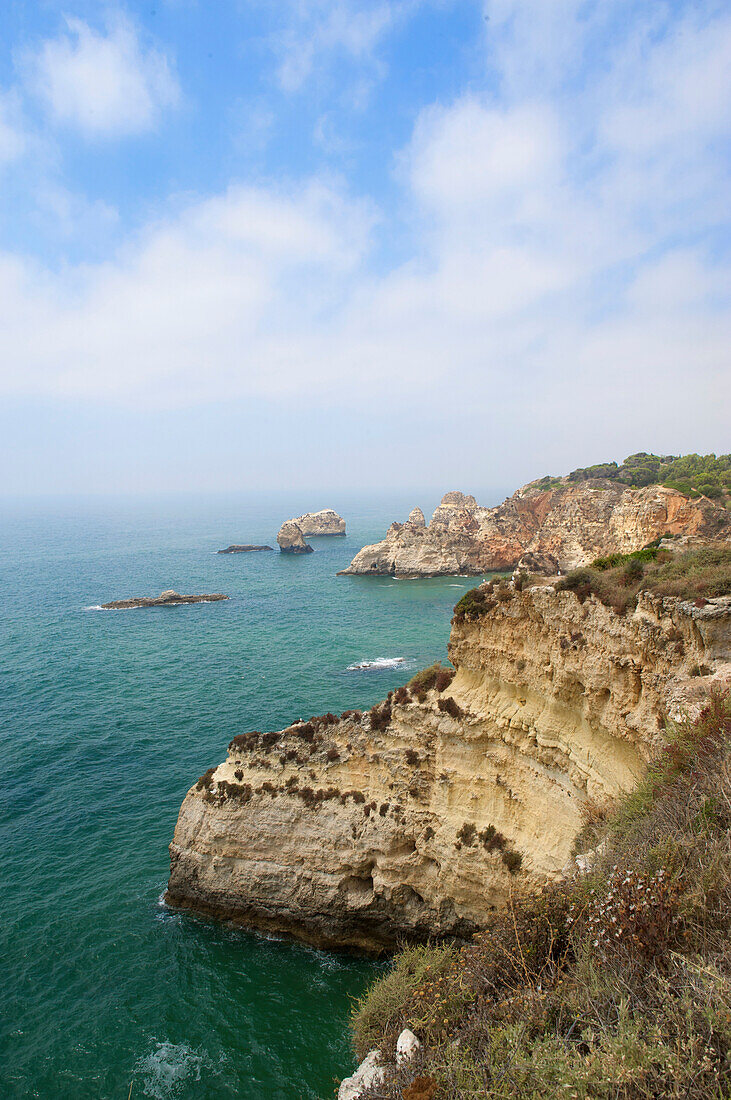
(166, 1069)
(376, 664)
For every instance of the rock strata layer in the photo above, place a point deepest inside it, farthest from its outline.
(324, 522)
(242, 548)
(290, 539)
(542, 530)
(414, 819)
(168, 598)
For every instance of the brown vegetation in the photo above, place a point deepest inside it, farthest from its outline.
(613, 985)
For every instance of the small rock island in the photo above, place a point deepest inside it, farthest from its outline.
(168, 598)
(243, 548)
(291, 540)
(324, 522)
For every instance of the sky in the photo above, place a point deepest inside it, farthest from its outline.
(329, 244)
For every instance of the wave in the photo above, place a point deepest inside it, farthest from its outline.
(376, 664)
(93, 607)
(166, 1069)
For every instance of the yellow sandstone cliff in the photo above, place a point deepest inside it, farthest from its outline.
(416, 818)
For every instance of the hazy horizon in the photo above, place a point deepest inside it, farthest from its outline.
(342, 244)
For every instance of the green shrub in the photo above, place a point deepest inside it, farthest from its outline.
(616, 580)
(380, 1012)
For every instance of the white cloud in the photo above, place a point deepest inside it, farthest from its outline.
(560, 276)
(472, 156)
(315, 32)
(106, 85)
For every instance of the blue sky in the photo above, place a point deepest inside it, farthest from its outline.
(329, 243)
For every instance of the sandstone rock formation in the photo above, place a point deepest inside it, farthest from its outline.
(290, 539)
(242, 548)
(543, 530)
(417, 817)
(324, 522)
(168, 598)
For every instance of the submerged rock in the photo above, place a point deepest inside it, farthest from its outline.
(244, 548)
(324, 522)
(168, 598)
(290, 539)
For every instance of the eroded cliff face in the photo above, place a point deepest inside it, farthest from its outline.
(413, 819)
(549, 530)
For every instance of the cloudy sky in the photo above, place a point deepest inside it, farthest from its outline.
(328, 243)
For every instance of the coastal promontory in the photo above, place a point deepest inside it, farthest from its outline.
(468, 785)
(551, 525)
(168, 598)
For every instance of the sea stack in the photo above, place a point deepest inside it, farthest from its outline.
(324, 522)
(291, 540)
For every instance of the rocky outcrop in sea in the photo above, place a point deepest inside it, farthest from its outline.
(324, 522)
(242, 548)
(290, 539)
(541, 530)
(168, 598)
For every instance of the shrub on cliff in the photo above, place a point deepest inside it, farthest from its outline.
(380, 716)
(617, 579)
(425, 678)
(206, 780)
(481, 600)
(690, 474)
(244, 741)
(614, 985)
(451, 707)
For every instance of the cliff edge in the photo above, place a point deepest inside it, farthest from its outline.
(418, 817)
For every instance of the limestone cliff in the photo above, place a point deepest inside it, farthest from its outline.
(324, 522)
(417, 817)
(547, 530)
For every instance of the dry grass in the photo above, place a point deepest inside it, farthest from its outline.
(613, 986)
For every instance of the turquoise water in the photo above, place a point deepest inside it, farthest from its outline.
(106, 718)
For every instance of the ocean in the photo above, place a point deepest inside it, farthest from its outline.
(106, 719)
